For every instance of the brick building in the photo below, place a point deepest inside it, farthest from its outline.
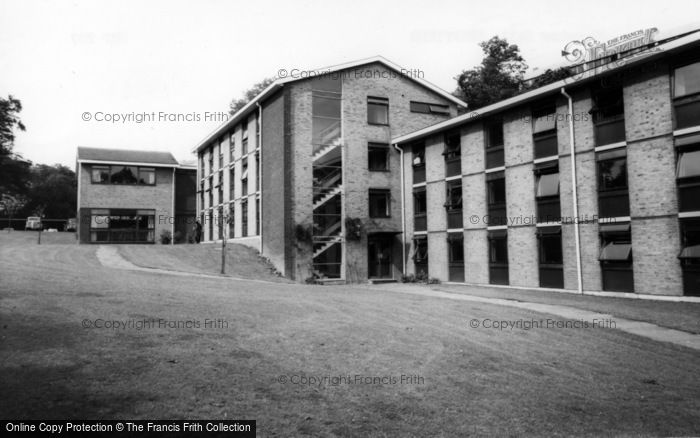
(498, 182)
(304, 172)
(131, 196)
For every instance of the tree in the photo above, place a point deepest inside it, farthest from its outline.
(548, 77)
(14, 170)
(498, 77)
(11, 204)
(53, 191)
(9, 108)
(249, 95)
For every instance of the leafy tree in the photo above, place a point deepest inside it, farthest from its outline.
(53, 192)
(11, 204)
(249, 95)
(498, 77)
(14, 170)
(548, 77)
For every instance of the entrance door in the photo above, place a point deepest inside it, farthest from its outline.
(379, 256)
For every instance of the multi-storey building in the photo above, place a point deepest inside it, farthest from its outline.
(132, 196)
(589, 184)
(304, 172)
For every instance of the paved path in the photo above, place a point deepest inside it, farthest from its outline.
(645, 329)
(110, 257)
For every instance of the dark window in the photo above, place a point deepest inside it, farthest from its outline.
(244, 217)
(690, 256)
(453, 153)
(100, 174)
(686, 93)
(547, 192)
(244, 147)
(231, 221)
(608, 116)
(455, 256)
(201, 195)
(420, 222)
(429, 108)
(244, 177)
(379, 203)
(498, 257)
(257, 216)
(420, 255)
(210, 159)
(122, 226)
(232, 184)
(551, 266)
(378, 156)
(147, 175)
(544, 130)
(616, 257)
(496, 197)
(613, 193)
(453, 204)
(418, 160)
(124, 174)
(244, 129)
(232, 147)
(494, 143)
(258, 173)
(377, 111)
(688, 173)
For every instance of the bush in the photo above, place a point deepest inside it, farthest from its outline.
(166, 237)
(421, 277)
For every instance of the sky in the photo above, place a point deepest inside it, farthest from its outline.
(68, 61)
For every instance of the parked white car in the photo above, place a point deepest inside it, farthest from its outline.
(33, 223)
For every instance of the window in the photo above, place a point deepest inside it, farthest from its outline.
(258, 173)
(257, 215)
(378, 155)
(453, 153)
(429, 108)
(124, 174)
(544, 130)
(608, 116)
(493, 133)
(122, 226)
(210, 157)
(201, 195)
(453, 204)
(379, 203)
(686, 95)
(420, 253)
(455, 256)
(690, 256)
(688, 174)
(420, 222)
(232, 147)
(547, 192)
(613, 193)
(244, 129)
(418, 160)
(244, 217)
(244, 177)
(232, 184)
(244, 147)
(498, 257)
(147, 175)
(377, 110)
(616, 257)
(496, 197)
(551, 268)
(100, 174)
(232, 220)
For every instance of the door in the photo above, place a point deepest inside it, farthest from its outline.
(379, 257)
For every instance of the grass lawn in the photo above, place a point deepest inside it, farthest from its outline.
(241, 261)
(462, 381)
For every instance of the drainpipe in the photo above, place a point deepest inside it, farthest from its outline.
(260, 168)
(403, 212)
(577, 237)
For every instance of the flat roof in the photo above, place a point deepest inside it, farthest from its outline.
(661, 48)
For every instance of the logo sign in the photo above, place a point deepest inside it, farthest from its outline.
(589, 49)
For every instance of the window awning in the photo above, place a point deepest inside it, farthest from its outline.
(497, 233)
(452, 237)
(690, 252)
(688, 140)
(614, 251)
(615, 228)
(550, 166)
(548, 231)
(545, 123)
(420, 237)
(613, 153)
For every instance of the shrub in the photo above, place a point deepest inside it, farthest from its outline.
(166, 237)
